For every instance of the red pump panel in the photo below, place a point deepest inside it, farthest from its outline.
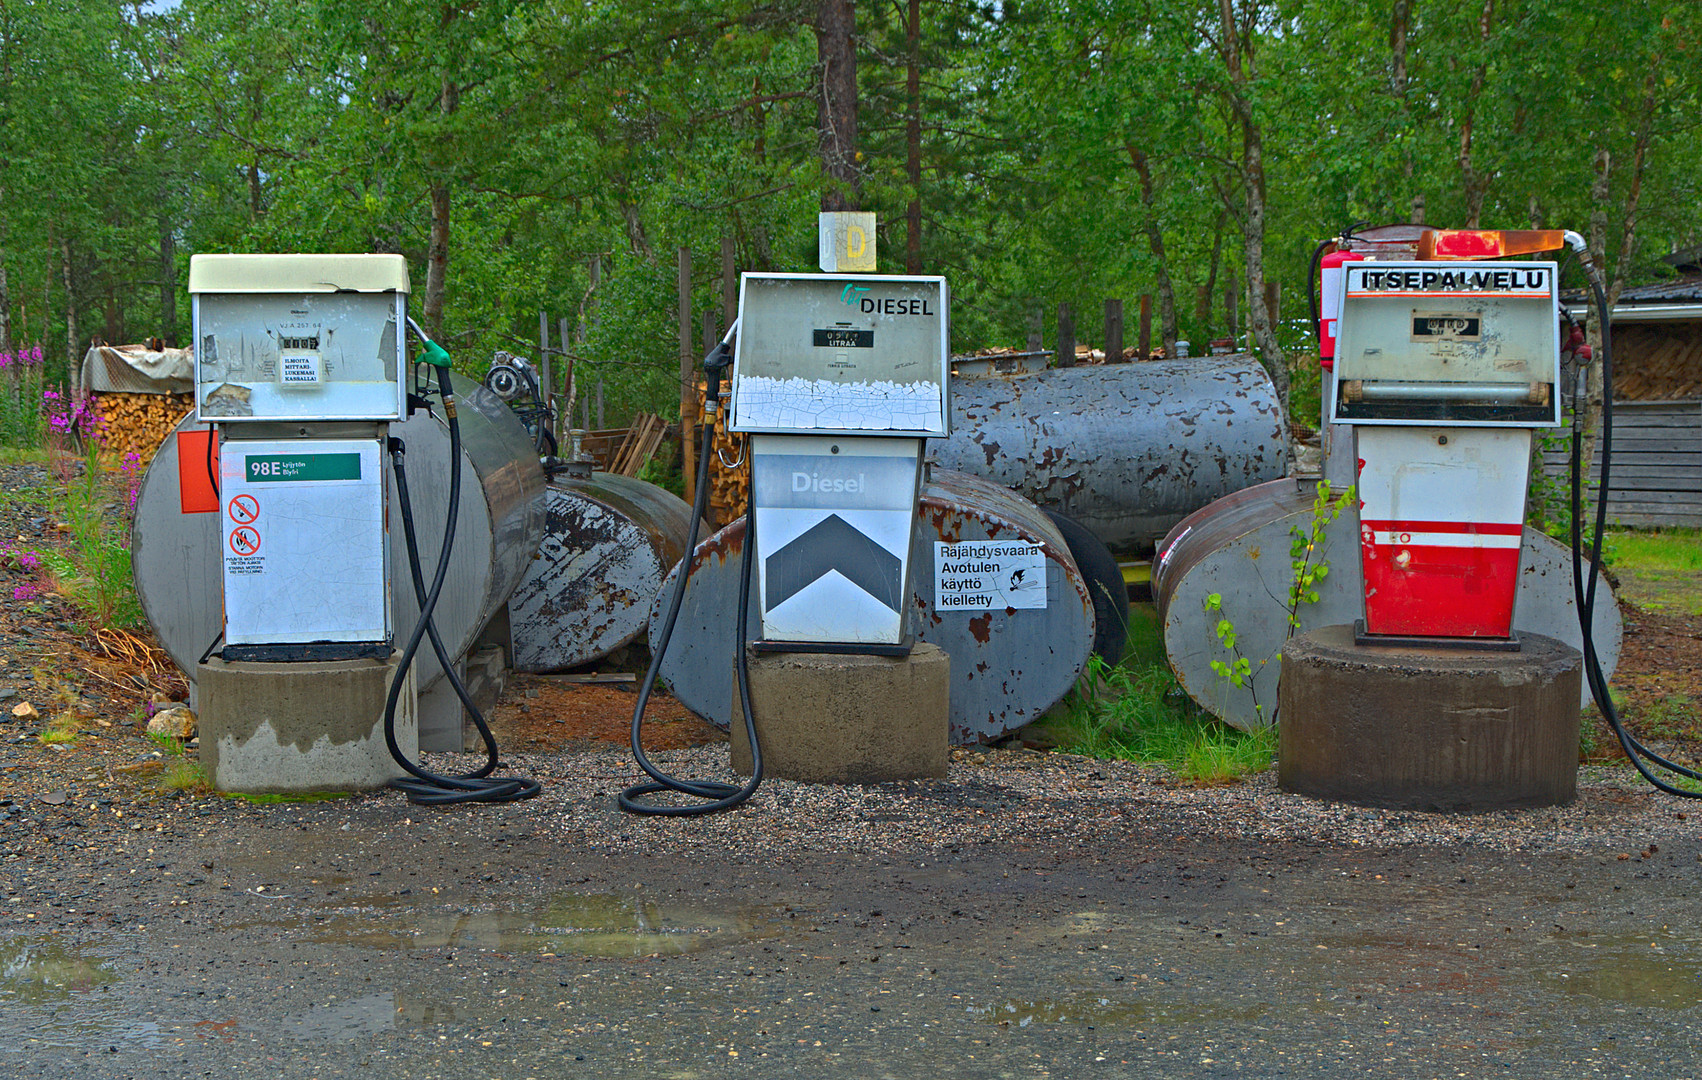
(1332, 281)
(197, 459)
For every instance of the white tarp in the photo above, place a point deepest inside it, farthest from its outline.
(137, 369)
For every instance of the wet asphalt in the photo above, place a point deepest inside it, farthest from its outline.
(367, 938)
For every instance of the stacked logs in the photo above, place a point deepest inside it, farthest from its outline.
(138, 423)
(729, 489)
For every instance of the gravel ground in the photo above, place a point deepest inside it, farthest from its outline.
(1003, 796)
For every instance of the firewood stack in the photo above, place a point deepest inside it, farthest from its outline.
(140, 422)
(729, 489)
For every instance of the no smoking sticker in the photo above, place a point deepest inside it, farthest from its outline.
(244, 510)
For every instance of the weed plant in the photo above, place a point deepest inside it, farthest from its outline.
(1135, 711)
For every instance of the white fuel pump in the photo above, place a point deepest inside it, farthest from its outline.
(838, 380)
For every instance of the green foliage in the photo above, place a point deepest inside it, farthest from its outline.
(1138, 713)
(1064, 151)
(94, 573)
(1307, 567)
(1306, 549)
(660, 469)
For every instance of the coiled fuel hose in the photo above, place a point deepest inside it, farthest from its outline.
(720, 796)
(1585, 596)
(421, 785)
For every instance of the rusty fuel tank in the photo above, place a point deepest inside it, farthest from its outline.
(1007, 666)
(1127, 450)
(1237, 549)
(608, 541)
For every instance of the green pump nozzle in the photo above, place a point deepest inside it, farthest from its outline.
(430, 351)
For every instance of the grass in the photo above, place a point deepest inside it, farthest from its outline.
(1135, 711)
(63, 728)
(1659, 569)
(268, 798)
(184, 775)
(1668, 550)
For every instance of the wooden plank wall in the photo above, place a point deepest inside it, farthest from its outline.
(1657, 462)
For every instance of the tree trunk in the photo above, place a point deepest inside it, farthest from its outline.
(1590, 409)
(1400, 27)
(1476, 184)
(1238, 57)
(913, 141)
(1634, 195)
(168, 283)
(836, 108)
(437, 259)
(71, 335)
(1155, 244)
(437, 247)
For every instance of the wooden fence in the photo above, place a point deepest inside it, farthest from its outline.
(1656, 478)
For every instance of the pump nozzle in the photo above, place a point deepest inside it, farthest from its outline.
(431, 352)
(716, 363)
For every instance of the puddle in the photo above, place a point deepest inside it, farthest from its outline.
(1642, 972)
(36, 972)
(1104, 1012)
(58, 980)
(577, 924)
(343, 1021)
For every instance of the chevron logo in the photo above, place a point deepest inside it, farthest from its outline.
(833, 544)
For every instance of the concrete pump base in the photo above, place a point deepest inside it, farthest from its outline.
(826, 718)
(312, 726)
(1428, 728)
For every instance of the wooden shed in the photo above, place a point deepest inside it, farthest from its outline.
(1656, 477)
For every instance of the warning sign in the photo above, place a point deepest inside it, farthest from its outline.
(984, 574)
(244, 541)
(244, 510)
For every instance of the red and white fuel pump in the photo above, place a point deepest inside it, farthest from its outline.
(1444, 367)
(1442, 357)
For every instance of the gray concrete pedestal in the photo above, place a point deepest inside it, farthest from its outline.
(1428, 728)
(827, 718)
(312, 726)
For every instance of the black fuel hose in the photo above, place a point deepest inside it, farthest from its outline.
(1585, 596)
(423, 786)
(721, 796)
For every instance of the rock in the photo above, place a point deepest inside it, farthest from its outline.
(177, 722)
(54, 798)
(7, 692)
(23, 710)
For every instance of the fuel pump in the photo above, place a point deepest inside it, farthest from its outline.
(1445, 363)
(299, 369)
(838, 380)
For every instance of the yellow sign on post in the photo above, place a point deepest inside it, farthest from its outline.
(847, 242)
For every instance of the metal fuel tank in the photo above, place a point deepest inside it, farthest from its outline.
(1007, 666)
(608, 542)
(177, 568)
(1127, 450)
(1238, 550)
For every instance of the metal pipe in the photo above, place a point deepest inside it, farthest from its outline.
(1354, 390)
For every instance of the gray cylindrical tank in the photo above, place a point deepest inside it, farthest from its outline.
(175, 556)
(1238, 549)
(1007, 666)
(608, 541)
(1127, 450)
